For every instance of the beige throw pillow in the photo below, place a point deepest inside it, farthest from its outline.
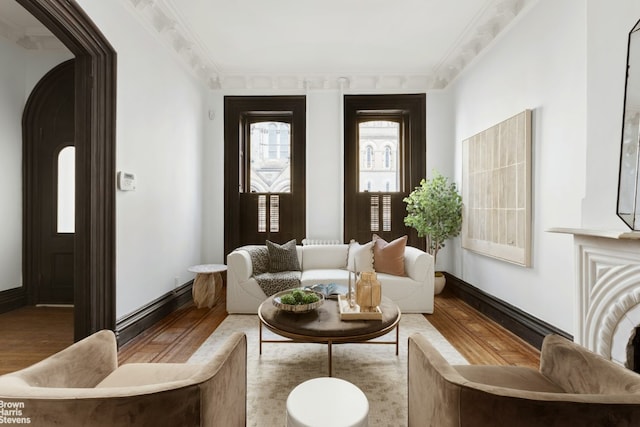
(360, 257)
(389, 257)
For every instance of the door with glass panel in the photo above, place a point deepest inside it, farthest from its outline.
(264, 170)
(49, 208)
(384, 161)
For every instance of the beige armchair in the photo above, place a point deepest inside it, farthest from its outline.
(82, 385)
(573, 387)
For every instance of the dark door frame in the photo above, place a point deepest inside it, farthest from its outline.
(236, 110)
(412, 108)
(95, 100)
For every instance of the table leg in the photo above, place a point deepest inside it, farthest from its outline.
(330, 358)
(397, 337)
(260, 338)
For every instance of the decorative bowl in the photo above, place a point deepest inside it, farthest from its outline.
(297, 308)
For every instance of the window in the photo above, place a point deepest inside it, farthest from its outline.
(379, 135)
(368, 157)
(270, 145)
(387, 157)
(66, 190)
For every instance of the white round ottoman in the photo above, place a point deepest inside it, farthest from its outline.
(327, 402)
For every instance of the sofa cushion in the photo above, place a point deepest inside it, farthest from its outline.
(324, 256)
(360, 257)
(283, 257)
(389, 257)
(515, 377)
(137, 374)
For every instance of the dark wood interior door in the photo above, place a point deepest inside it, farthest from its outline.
(264, 170)
(385, 159)
(49, 248)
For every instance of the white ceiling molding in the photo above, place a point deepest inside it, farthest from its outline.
(479, 35)
(31, 38)
(165, 23)
(160, 19)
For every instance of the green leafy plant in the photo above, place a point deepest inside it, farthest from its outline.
(298, 297)
(435, 210)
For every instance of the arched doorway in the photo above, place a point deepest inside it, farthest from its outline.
(94, 128)
(49, 186)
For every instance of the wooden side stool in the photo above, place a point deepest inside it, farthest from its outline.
(207, 284)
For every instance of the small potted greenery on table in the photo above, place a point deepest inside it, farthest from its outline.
(435, 211)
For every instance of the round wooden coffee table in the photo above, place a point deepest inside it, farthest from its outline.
(323, 325)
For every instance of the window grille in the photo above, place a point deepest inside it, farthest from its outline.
(274, 213)
(262, 214)
(375, 213)
(386, 213)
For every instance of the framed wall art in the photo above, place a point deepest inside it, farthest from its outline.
(496, 191)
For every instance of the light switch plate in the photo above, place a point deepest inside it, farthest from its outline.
(126, 181)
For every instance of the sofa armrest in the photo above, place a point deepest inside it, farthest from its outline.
(83, 364)
(224, 386)
(418, 265)
(239, 266)
(434, 393)
(578, 370)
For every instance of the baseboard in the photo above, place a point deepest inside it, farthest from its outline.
(134, 323)
(524, 325)
(12, 299)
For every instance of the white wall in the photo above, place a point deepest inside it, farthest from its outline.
(323, 168)
(607, 33)
(160, 130)
(539, 64)
(553, 60)
(441, 155)
(21, 69)
(12, 99)
(324, 165)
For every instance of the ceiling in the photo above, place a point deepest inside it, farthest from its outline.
(293, 44)
(18, 25)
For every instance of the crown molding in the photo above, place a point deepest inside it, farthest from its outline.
(480, 34)
(165, 23)
(31, 38)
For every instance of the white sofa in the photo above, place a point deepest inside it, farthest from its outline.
(327, 264)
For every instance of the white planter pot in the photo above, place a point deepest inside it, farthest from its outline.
(439, 283)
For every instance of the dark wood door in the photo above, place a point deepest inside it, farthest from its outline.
(385, 157)
(264, 169)
(49, 245)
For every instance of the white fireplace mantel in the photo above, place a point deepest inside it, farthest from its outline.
(609, 234)
(607, 304)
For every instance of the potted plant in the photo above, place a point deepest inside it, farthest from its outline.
(435, 210)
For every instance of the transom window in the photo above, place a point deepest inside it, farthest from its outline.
(270, 155)
(381, 172)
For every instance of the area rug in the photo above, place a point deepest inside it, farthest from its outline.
(375, 369)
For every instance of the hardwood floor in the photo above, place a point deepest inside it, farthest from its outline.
(479, 339)
(30, 334)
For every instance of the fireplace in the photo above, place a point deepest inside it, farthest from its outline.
(633, 352)
(607, 310)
